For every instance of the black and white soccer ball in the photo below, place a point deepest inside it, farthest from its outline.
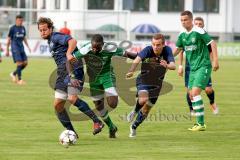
(67, 138)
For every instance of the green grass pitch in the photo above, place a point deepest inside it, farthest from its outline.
(29, 128)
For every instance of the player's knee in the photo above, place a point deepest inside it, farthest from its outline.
(195, 92)
(113, 104)
(25, 64)
(59, 106)
(143, 100)
(190, 95)
(99, 104)
(72, 98)
(112, 101)
(208, 90)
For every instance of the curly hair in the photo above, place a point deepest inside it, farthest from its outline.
(45, 20)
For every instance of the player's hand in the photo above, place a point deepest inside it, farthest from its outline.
(215, 65)
(75, 82)
(129, 75)
(180, 70)
(70, 58)
(163, 63)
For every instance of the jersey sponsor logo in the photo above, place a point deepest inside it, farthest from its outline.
(54, 53)
(19, 35)
(190, 48)
(193, 40)
(51, 45)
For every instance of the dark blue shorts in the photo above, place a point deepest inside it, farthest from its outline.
(19, 56)
(63, 79)
(153, 90)
(186, 79)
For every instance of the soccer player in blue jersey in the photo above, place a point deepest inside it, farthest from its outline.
(16, 36)
(198, 21)
(70, 80)
(156, 60)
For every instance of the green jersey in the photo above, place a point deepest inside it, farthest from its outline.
(195, 43)
(100, 63)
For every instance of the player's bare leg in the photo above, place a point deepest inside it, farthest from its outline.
(210, 93)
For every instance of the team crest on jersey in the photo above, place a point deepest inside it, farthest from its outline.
(193, 40)
(51, 45)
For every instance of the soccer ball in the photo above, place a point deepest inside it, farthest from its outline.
(67, 138)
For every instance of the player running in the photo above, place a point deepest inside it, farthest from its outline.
(156, 59)
(102, 79)
(194, 41)
(62, 47)
(198, 21)
(16, 36)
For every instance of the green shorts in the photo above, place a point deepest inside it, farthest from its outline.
(199, 78)
(101, 83)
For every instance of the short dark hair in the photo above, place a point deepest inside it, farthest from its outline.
(187, 13)
(45, 20)
(98, 38)
(198, 19)
(159, 36)
(19, 16)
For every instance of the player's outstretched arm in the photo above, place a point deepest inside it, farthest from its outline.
(215, 56)
(170, 66)
(72, 44)
(130, 55)
(131, 71)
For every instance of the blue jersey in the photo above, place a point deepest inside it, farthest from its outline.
(148, 55)
(58, 44)
(152, 73)
(17, 35)
(148, 52)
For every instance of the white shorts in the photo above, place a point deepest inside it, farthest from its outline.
(108, 92)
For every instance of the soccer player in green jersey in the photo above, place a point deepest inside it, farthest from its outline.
(194, 41)
(198, 21)
(102, 80)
